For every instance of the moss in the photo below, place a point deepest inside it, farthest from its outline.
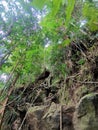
(53, 108)
(90, 96)
(86, 112)
(35, 108)
(80, 92)
(64, 95)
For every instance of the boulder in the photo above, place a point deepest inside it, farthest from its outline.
(48, 118)
(86, 115)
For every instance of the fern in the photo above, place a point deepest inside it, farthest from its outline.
(56, 6)
(91, 14)
(69, 10)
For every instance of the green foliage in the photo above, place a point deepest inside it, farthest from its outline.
(90, 12)
(69, 10)
(56, 6)
(66, 42)
(81, 61)
(57, 60)
(1, 85)
(27, 40)
(40, 4)
(54, 19)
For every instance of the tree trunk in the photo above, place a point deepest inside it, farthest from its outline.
(4, 104)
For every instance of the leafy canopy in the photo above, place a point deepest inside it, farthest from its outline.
(34, 34)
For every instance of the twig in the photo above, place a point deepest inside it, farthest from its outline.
(2, 111)
(14, 98)
(88, 82)
(80, 50)
(61, 127)
(23, 121)
(73, 76)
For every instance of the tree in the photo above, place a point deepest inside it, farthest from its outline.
(35, 35)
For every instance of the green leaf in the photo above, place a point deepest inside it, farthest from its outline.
(66, 42)
(90, 12)
(63, 2)
(81, 61)
(69, 10)
(39, 4)
(56, 7)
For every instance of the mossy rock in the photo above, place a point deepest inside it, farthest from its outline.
(80, 92)
(87, 113)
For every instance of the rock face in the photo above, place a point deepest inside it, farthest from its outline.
(48, 118)
(55, 116)
(86, 115)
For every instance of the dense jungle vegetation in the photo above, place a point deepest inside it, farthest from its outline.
(56, 38)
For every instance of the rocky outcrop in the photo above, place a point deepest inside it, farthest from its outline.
(86, 115)
(54, 116)
(48, 118)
